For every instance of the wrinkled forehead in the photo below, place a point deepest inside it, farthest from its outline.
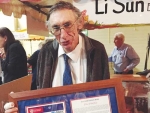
(61, 16)
(117, 38)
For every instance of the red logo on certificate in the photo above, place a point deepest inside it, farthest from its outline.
(35, 110)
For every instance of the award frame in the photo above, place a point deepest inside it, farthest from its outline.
(135, 92)
(76, 94)
(130, 77)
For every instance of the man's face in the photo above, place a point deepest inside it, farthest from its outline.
(118, 42)
(68, 39)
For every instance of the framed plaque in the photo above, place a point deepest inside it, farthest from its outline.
(105, 96)
(130, 77)
(135, 92)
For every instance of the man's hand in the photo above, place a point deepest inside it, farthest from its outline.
(2, 53)
(125, 71)
(9, 108)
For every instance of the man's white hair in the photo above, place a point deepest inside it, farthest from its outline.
(120, 35)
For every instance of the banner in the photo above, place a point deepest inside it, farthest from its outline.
(116, 11)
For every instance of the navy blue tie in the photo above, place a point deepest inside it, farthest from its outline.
(67, 80)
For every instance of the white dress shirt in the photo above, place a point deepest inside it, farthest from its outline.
(124, 57)
(78, 65)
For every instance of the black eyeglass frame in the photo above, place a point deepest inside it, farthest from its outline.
(63, 27)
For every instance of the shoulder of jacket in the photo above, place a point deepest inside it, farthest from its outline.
(15, 44)
(48, 46)
(92, 41)
(128, 46)
(96, 43)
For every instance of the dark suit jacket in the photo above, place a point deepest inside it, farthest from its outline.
(33, 62)
(97, 62)
(15, 64)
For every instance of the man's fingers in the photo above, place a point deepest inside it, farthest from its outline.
(9, 108)
(13, 110)
(9, 105)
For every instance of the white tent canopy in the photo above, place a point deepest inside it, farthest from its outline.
(35, 8)
(35, 11)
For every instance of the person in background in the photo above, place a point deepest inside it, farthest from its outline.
(2, 58)
(123, 56)
(15, 64)
(1, 74)
(71, 54)
(1, 80)
(32, 62)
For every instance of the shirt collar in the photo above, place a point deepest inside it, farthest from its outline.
(75, 54)
(120, 47)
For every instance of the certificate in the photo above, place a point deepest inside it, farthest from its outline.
(100, 104)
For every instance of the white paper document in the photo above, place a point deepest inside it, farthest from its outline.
(98, 104)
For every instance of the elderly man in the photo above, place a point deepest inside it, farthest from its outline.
(72, 57)
(123, 56)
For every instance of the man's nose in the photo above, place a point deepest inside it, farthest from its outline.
(63, 33)
(115, 41)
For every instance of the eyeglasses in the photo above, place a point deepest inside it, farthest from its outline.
(68, 27)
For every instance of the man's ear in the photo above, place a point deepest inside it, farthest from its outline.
(80, 23)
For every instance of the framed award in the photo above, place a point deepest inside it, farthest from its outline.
(105, 96)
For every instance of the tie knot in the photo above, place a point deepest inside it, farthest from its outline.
(65, 57)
